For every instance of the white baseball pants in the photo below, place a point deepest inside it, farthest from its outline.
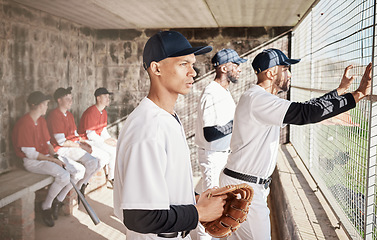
(106, 155)
(61, 185)
(211, 164)
(79, 155)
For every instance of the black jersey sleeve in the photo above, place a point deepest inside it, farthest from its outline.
(216, 132)
(319, 109)
(178, 218)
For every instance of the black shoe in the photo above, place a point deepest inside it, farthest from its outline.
(56, 206)
(47, 217)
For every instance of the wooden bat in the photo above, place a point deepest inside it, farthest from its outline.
(88, 208)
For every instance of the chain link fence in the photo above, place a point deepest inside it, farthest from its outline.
(340, 153)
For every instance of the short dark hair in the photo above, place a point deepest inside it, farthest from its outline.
(61, 92)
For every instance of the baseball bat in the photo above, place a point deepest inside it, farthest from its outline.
(88, 208)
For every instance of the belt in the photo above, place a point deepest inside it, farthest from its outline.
(248, 178)
(173, 234)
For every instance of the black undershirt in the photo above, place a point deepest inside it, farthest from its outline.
(216, 132)
(319, 109)
(177, 219)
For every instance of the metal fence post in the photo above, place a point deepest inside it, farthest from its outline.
(370, 204)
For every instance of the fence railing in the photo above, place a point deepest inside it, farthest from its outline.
(340, 153)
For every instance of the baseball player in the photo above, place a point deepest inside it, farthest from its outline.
(153, 187)
(257, 121)
(65, 139)
(93, 127)
(31, 141)
(214, 122)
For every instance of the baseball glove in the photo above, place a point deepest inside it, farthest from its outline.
(235, 211)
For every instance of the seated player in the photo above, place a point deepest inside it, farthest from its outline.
(93, 127)
(66, 140)
(31, 141)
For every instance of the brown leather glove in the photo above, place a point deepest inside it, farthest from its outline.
(235, 211)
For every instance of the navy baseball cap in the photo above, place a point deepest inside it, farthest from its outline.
(37, 97)
(270, 58)
(225, 56)
(169, 44)
(100, 91)
(61, 92)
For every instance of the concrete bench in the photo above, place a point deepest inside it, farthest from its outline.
(20, 190)
(17, 201)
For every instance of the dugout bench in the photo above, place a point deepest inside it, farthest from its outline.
(17, 202)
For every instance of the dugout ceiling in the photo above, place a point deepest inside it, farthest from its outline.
(138, 14)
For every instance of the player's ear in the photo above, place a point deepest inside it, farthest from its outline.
(223, 68)
(270, 73)
(155, 68)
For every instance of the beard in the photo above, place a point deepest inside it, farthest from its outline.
(232, 78)
(282, 85)
(284, 88)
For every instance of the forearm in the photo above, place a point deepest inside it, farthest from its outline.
(178, 218)
(358, 95)
(216, 132)
(93, 136)
(46, 158)
(51, 150)
(319, 109)
(69, 143)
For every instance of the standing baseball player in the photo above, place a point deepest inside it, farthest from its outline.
(31, 141)
(258, 118)
(65, 139)
(214, 122)
(93, 127)
(153, 187)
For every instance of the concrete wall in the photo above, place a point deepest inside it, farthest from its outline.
(43, 52)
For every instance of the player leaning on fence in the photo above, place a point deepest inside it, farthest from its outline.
(258, 118)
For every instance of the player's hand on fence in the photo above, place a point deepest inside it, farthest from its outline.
(85, 146)
(209, 207)
(364, 88)
(346, 80)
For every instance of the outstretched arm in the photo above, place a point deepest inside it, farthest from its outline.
(332, 103)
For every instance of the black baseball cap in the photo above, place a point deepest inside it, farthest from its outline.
(37, 97)
(270, 58)
(169, 44)
(100, 91)
(61, 92)
(227, 55)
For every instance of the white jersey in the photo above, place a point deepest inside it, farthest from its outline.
(153, 168)
(256, 129)
(215, 108)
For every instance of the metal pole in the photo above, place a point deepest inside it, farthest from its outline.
(370, 205)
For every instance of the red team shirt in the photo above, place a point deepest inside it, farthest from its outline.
(59, 123)
(27, 134)
(92, 119)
